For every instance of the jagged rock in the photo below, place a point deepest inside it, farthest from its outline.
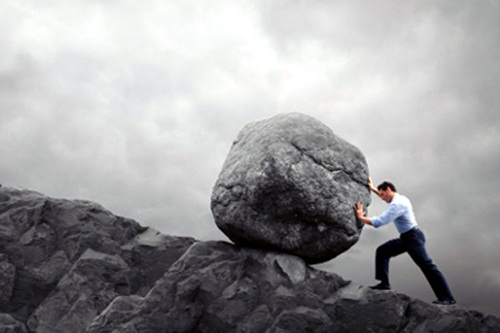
(9, 324)
(150, 254)
(117, 311)
(302, 319)
(421, 317)
(91, 284)
(359, 309)
(211, 287)
(46, 242)
(7, 276)
(289, 184)
(383, 310)
(217, 287)
(53, 269)
(45, 236)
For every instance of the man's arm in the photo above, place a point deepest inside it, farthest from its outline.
(370, 185)
(387, 216)
(360, 214)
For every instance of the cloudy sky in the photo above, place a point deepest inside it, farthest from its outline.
(135, 104)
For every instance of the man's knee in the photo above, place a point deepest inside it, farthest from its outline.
(383, 251)
(389, 249)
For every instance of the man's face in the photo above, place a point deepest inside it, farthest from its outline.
(386, 195)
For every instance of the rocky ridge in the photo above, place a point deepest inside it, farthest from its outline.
(63, 261)
(72, 266)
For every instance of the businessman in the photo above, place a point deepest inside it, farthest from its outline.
(411, 240)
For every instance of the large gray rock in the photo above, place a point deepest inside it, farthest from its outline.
(289, 184)
(43, 237)
(218, 287)
(63, 261)
(91, 284)
(198, 286)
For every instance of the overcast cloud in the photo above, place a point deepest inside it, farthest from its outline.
(135, 105)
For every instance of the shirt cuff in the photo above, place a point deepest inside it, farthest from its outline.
(375, 222)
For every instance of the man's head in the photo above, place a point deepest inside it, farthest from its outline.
(387, 191)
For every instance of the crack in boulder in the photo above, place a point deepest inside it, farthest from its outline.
(330, 168)
(280, 191)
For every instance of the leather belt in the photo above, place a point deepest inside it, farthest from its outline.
(412, 229)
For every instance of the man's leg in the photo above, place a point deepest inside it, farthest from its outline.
(384, 253)
(417, 251)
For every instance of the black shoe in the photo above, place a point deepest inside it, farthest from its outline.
(445, 302)
(381, 286)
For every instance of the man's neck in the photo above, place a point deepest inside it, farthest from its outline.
(392, 196)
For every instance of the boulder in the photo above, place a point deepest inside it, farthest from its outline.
(289, 184)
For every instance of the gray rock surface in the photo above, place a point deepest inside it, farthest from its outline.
(9, 324)
(218, 287)
(7, 278)
(289, 184)
(112, 275)
(63, 261)
(92, 283)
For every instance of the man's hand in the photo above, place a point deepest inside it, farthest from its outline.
(360, 213)
(370, 185)
(359, 210)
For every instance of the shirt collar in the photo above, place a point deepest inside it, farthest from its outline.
(394, 197)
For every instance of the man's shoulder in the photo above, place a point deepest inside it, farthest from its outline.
(401, 199)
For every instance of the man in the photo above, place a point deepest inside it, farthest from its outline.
(411, 240)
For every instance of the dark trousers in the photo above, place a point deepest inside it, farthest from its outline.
(412, 242)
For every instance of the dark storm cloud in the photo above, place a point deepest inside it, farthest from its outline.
(135, 106)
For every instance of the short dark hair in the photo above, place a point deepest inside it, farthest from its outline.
(386, 185)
